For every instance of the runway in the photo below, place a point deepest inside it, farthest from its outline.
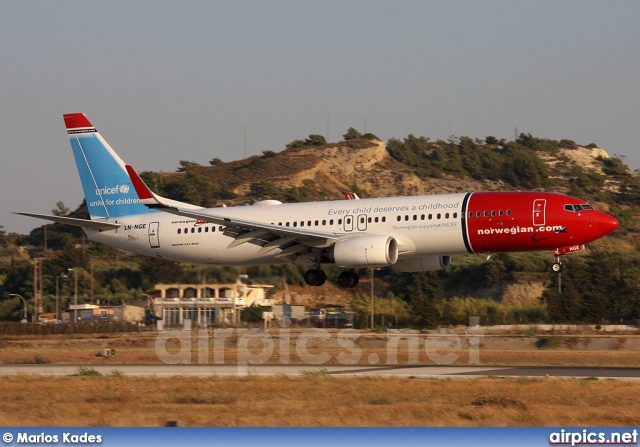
(424, 371)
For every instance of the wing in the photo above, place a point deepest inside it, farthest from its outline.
(94, 224)
(293, 242)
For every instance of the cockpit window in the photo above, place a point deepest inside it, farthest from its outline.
(578, 208)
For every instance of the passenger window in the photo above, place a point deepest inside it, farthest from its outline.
(309, 223)
(446, 216)
(316, 223)
(399, 218)
(455, 215)
(179, 230)
(376, 220)
(193, 230)
(430, 216)
(384, 219)
(369, 220)
(478, 214)
(470, 214)
(295, 224)
(339, 221)
(331, 222)
(406, 217)
(486, 214)
(493, 213)
(199, 229)
(415, 217)
(508, 212)
(439, 216)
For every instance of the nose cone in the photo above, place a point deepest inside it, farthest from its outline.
(606, 224)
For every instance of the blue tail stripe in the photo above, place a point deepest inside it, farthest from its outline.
(107, 186)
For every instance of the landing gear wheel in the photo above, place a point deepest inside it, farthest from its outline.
(348, 279)
(557, 267)
(315, 277)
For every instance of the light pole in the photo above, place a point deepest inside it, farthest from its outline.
(75, 296)
(58, 296)
(372, 302)
(24, 320)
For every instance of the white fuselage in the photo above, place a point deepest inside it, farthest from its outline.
(422, 225)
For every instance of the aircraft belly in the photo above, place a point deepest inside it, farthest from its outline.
(445, 238)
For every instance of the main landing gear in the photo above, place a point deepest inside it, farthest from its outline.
(317, 277)
(348, 279)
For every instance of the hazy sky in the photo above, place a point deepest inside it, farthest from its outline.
(165, 81)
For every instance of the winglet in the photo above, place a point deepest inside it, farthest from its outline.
(144, 193)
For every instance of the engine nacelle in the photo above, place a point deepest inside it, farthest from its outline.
(366, 251)
(423, 264)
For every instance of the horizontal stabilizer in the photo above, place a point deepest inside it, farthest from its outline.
(84, 223)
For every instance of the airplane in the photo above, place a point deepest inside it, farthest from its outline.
(409, 234)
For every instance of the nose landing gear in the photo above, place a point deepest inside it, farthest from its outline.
(557, 266)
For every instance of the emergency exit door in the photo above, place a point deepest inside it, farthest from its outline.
(154, 238)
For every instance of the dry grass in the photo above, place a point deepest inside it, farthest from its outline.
(316, 401)
(140, 349)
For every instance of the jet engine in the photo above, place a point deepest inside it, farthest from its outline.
(366, 251)
(423, 264)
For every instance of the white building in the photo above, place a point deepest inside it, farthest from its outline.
(207, 303)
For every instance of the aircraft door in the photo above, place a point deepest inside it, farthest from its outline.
(539, 212)
(362, 222)
(348, 223)
(154, 237)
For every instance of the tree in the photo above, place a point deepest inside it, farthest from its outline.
(295, 144)
(61, 210)
(4, 242)
(352, 134)
(315, 140)
(422, 290)
(253, 313)
(186, 166)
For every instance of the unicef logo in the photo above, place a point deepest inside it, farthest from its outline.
(124, 189)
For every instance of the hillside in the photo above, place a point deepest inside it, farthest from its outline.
(372, 168)
(413, 166)
(600, 284)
